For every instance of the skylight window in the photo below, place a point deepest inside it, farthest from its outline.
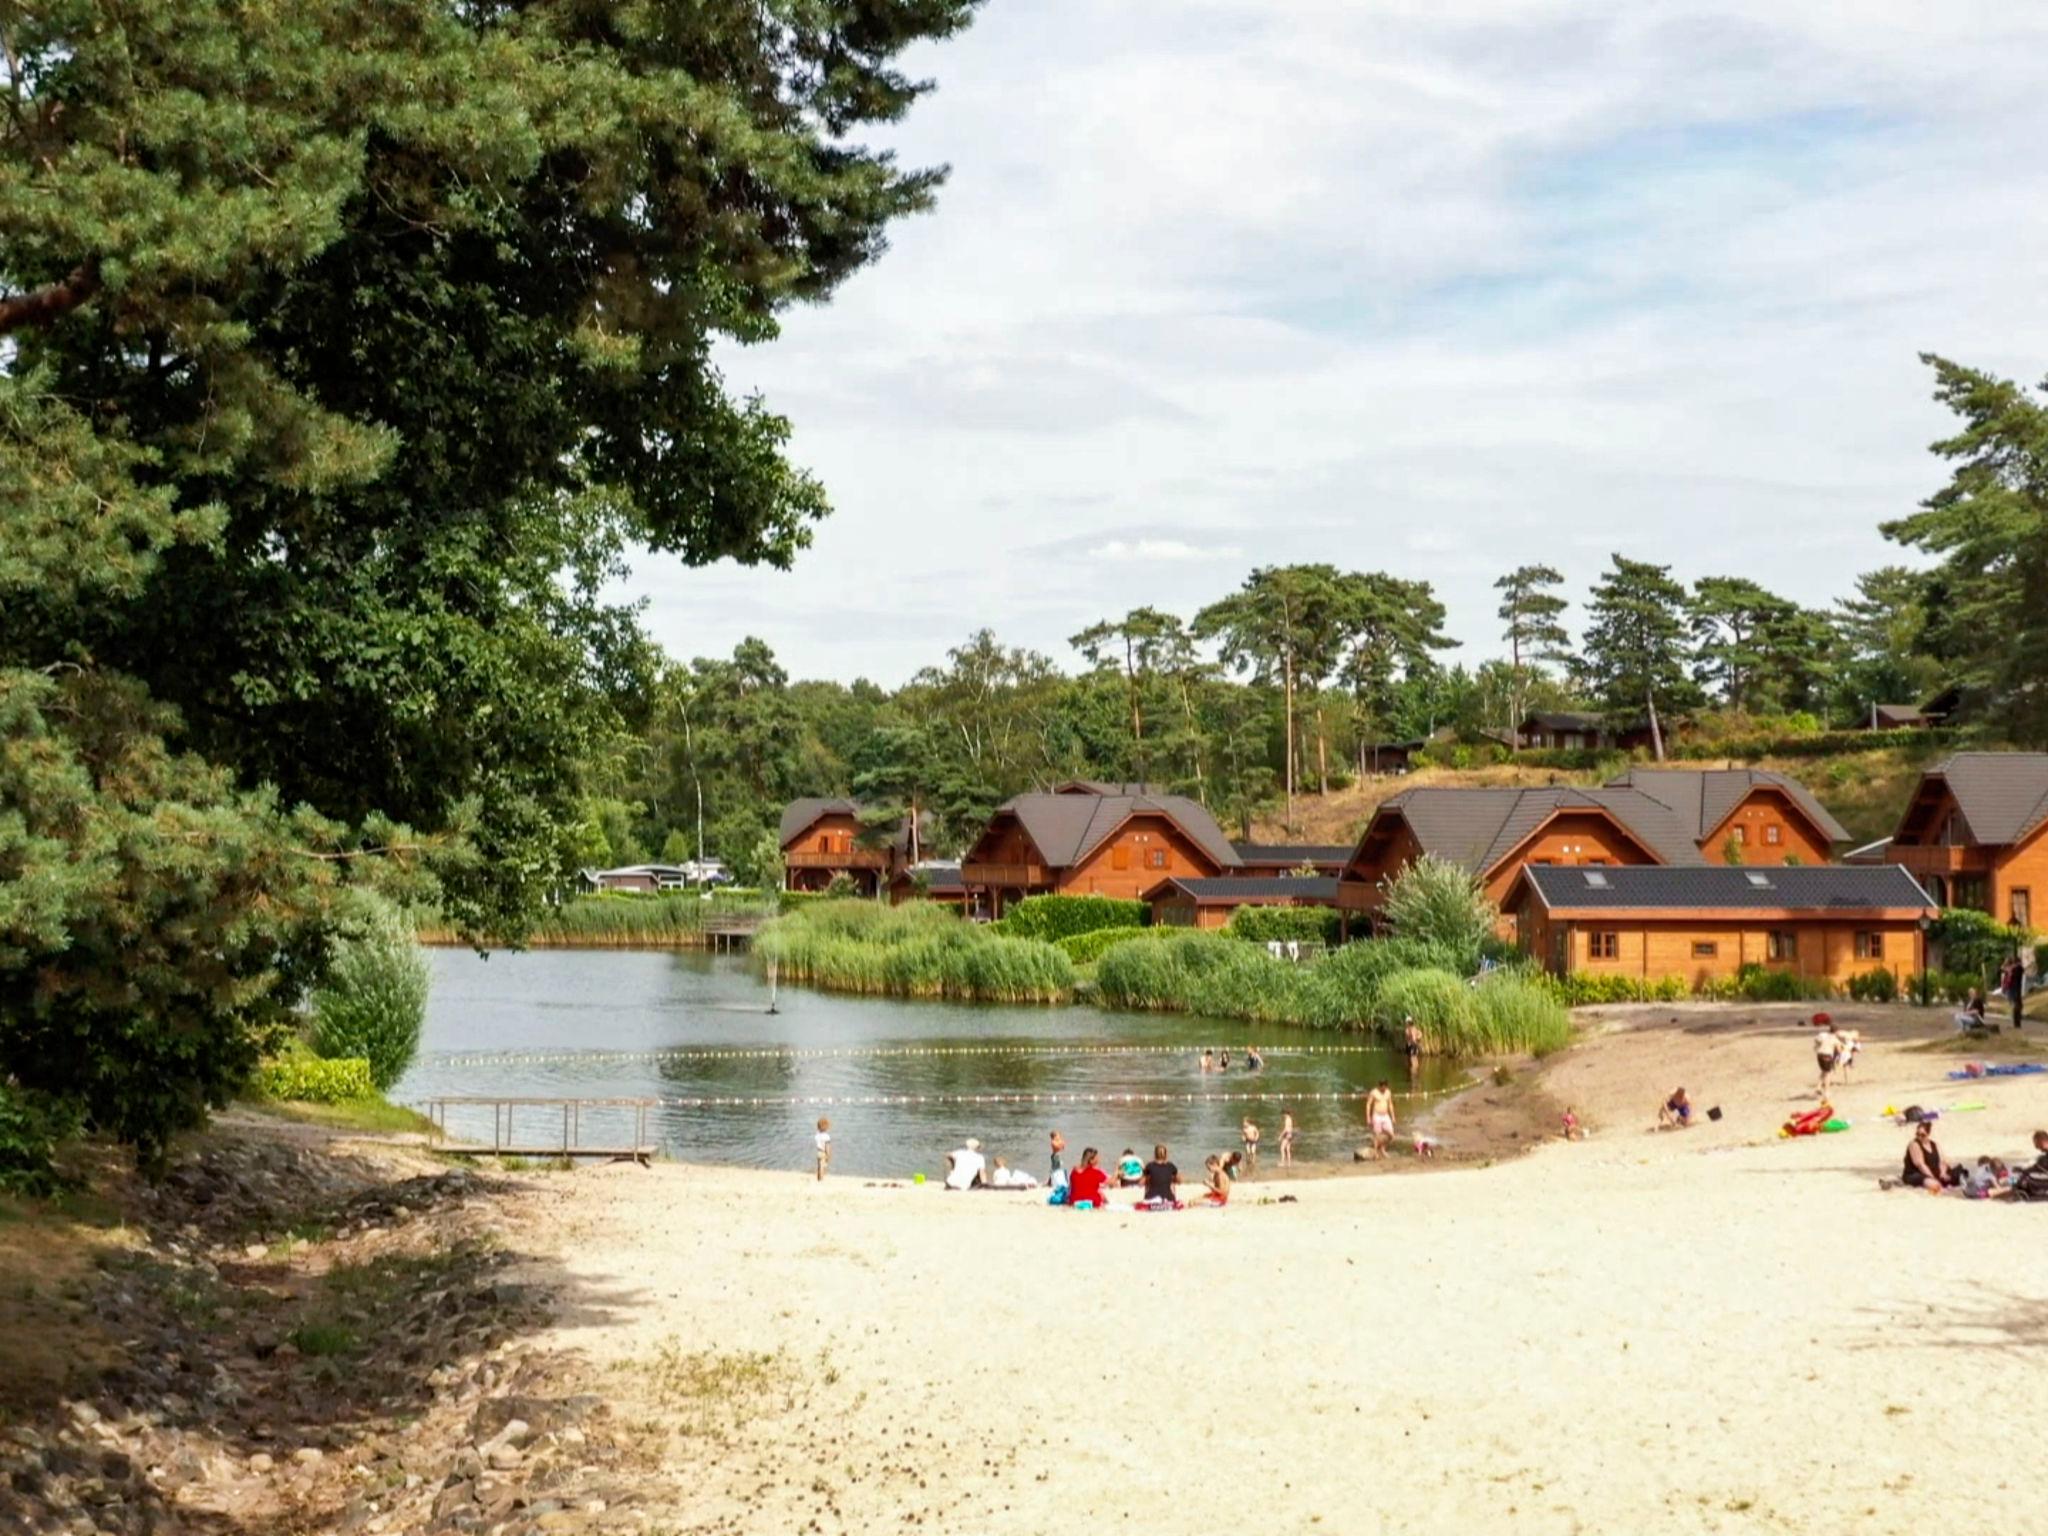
(1761, 882)
(1595, 879)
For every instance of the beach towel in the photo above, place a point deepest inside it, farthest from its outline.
(1978, 1069)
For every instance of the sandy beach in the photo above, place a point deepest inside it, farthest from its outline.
(1709, 1330)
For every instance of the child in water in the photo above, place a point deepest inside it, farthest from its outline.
(1286, 1138)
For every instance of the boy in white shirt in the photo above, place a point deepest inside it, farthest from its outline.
(824, 1147)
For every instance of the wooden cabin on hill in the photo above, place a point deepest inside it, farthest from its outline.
(824, 837)
(1091, 839)
(1697, 923)
(1975, 833)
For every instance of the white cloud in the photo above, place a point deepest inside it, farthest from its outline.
(1431, 286)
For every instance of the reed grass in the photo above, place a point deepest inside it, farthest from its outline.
(916, 950)
(622, 920)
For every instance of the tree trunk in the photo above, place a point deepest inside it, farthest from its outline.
(1322, 754)
(1287, 668)
(1516, 692)
(1656, 732)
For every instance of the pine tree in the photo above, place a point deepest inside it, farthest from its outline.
(1535, 634)
(1635, 652)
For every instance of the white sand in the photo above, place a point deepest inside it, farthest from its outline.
(1713, 1330)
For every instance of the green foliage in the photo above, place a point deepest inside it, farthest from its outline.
(1517, 1012)
(916, 950)
(315, 1079)
(1878, 986)
(1974, 941)
(1350, 979)
(1308, 925)
(1434, 901)
(1775, 984)
(1819, 744)
(31, 1128)
(1585, 989)
(1087, 948)
(664, 920)
(1057, 917)
(1635, 650)
(1443, 1007)
(1207, 974)
(373, 999)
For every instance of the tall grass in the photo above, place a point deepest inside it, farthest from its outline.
(623, 920)
(916, 950)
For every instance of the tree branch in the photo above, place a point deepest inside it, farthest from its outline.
(52, 301)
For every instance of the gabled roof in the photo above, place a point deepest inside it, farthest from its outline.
(1709, 795)
(1479, 827)
(799, 816)
(1816, 888)
(1563, 720)
(1066, 828)
(939, 875)
(1294, 855)
(1311, 891)
(2002, 795)
(1099, 787)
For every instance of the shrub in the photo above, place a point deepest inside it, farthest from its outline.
(315, 1080)
(1206, 973)
(1974, 941)
(31, 1126)
(1087, 948)
(374, 998)
(1440, 1003)
(917, 950)
(1309, 925)
(1437, 902)
(1764, 984)
(1878, 986)
(1347, 982)
(1585, 989)
(1517, 1012)
(1058, 917)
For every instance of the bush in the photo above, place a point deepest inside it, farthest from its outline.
(1309, 925)
(1586, 989)
(916, 950)
(31, 1126)
(1059, 917)
(315, 1080)
(1434, 901)
(1347, 987)
(1205, 973)
(1879, 986)
(1974, 941)
(374, 999)
(1441, 1004)
(1517, 1012)
(1087, 948)
(1764, 984)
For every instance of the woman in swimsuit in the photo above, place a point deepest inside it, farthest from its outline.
(1286, 1138)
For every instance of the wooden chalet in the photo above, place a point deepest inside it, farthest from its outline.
(1185, 902)
(825, 837)
(1704, 923)
(1975, 833)
(1672, 816)
(1567, 730)
(1091, 839)
(932, 880)
(1292, 858)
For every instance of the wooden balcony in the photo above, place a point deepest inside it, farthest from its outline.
(1941, 858)
(1019, 876)
(859, 858)
(1359, 896)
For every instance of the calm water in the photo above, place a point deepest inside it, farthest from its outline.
(590, 1023)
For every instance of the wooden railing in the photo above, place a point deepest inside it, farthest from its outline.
(1940, 858)
(859, 858)
(1005, 874)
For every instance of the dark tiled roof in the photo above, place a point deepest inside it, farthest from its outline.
(1889, 715)
(1818, 887)
(1293, 853)
(1562, 720)
(1707, 795)
(800, 815)
(1309, 888)
(937, 876)
(1067, 828)
(2002, 795)
(1479, 827)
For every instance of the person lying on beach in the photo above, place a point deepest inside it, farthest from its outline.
(1677, 1110)
(1006, 1177)
(1161, 1178)
(965, 1166)
(1087, 1182)
(1215, 1187)
(1130, 1169)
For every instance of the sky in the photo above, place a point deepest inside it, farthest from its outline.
(1434, 287)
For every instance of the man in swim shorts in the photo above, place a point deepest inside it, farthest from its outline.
(1379, 1114)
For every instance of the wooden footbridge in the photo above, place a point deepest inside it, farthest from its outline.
(543, 1116)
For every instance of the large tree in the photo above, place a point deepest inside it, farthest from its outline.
(1391, 627)
(1989, 528)
(1533, 612)
(1634, 653)
(345, 352)
(1883, 636)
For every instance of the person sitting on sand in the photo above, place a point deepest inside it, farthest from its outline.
(1287, 1138)
(1161, 1179)
(1379, 1114)
(1573, 1130)
(1988, 1178)
(965, 1166)
(1130, 1169)
(2031, 1182)
(1006, 1177)
(1923, 1167)
(1677, 1110)
(1215, 1187)
(1087, 1182)
(1976, 1005)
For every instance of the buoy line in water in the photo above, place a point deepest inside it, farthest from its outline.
(777, 1053)
(897, 1100)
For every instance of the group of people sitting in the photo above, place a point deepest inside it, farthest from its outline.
(1158, 1181)
(968, 1168)
(1988, 1179)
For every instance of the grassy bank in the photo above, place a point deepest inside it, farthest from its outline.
(1374, 985)
(912, 951)
(622, 920)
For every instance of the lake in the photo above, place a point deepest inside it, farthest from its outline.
(687, 1028)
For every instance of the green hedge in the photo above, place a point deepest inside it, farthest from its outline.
(1815, 744)
(1058, 917)
(1308, 925)
(1087, 948)
(916, 950)
(312, 1080)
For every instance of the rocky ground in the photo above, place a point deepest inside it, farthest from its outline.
(295, 1334)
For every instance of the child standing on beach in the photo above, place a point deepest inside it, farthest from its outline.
(824, 1147)
(1249, 1132)
(1059, 1145)
(1286, 1138)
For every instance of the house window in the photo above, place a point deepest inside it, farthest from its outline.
(1972, 891)
(1783, 945)
(2022, 906)
(1603, 946)
(1869, 946)
(1705, 949)
(1155, 858)
(1738, 835)
(1771, 834)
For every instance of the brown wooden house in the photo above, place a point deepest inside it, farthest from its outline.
(933, 880)
(1183, 902)
(1743, 815)
(1705, 923)
(824, 837)
(1292, 858)
(1086, 839)
(1975, 833)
